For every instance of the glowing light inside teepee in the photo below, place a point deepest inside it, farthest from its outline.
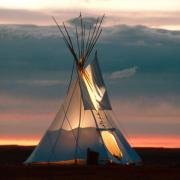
(111, 144)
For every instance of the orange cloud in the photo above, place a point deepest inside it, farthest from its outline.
(155, 141)
(135, 141)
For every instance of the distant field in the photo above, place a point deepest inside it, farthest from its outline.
(158, 164)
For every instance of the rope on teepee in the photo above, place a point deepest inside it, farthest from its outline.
(59, 133)
(77, 141)
(99, 133)
(71, 76)
(72, 130)
(101, 120)
(108, 119)
(122, 128)
(78, 79)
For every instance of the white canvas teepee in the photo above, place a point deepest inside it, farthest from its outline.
(85, 121)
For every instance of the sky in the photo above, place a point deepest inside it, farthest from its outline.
(154, 13)
(140, 64)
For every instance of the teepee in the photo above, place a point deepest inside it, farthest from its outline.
(85, 127)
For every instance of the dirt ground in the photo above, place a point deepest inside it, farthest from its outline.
(158, 164)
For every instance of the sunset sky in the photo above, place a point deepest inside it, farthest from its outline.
(140, 64)
(154, 13)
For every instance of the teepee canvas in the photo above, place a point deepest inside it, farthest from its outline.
(85, 122)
